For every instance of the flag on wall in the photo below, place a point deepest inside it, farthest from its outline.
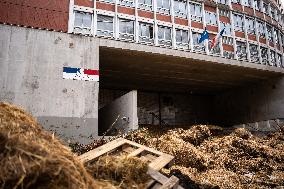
(216, 38)
(80, 74)
(204, 36)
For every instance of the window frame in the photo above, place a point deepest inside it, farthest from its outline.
(106, 31)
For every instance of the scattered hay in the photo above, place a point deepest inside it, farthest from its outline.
(33, 158)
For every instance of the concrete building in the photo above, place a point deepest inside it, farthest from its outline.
(152, 68)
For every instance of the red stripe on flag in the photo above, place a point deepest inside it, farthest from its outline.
(91, 72)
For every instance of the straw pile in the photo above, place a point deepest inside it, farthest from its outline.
(33, 158)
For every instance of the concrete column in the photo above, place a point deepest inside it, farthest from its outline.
(116, 20)
(233, 34)
(71, 17)
(155, 23)
(136, 25)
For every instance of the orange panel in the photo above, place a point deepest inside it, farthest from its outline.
(164, 18)
(126, 10)
(278, 47)
(224, 19)
(105, 6)
(228, 48)
(271, 44)
(85, 3)
(259, 14)
(181, 21)
(210, 9)
(252, 37)
(146, 14)
(62, 5)
(249, 11)
(237, 7)
(14, 14)
(212, 28)
(240, 34)
(262, 40)
(4, 12)
(197, 25)
(268, 19)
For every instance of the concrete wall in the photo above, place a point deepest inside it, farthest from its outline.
(264, 101)
(124, 106)
(31, 66)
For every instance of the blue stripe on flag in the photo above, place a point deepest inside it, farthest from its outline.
(71, 70)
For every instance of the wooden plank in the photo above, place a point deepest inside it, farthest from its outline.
(150, 157)
(93, 154)
(128, 149)
(146, 148)
(172, 182)
(136, 152)
(160, 177)
(161, 162)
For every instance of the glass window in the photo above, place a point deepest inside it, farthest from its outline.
(108, 1)
(282, 37)
(127, 3)
(215, 49)
(238, 22)
(163, 6)
(253, 53)
(145, 4)
(83, 23)
(250, 25)
(228, 54)
(210, 18)
(257, 5)
(272, 10)
(180, 8)
(264, 55)
(146, 33)
(126, 29)
(228, 28)
(261, 29)
(236, 1)
(227, 40)
(241, 50)
(198, 47)
(276, 36)
(247, 3)
(269, 33)
(182, 38)
(164, 35)
(104, 25)
(196, 12)
(265, 8)
(279, 60)
(222, 2)
(273, 58)
(223, 12)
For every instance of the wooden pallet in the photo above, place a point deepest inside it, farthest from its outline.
(156, 160)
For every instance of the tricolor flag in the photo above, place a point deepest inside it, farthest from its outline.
(80, 74)
(204, 36)
(216, 38)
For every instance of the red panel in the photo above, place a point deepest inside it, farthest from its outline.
(268, 19)
(262, 40)
(278, 47)
(145, 14)
(18, 2)
(211, 36)
(210, 9)
(251, 37)
(85, 3)
(62, 5)
(105, 6)
(126, 10)
(237, 7)
(249, 11)
(164, 18)
(28, 15)
(271, 44)
(224, 19)
(212, 28)
(197, 25)
(14, 14)
(228, 48)
(181, 21)
(259, 14)
(240, 34)
(4, 12)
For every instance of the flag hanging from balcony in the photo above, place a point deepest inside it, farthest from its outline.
(216, 38)
(204, 36)
(80, 74)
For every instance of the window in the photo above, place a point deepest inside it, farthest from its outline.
(236, 1)
(182, 38)
(241, 50)
(273, 58)
(257, 5)
(145, 4)
(197, 47)
(228, 28)
(264, 55)
(215, 49)
(265, 8)
(250, 25)
(83, 23)
(279, 60)
(127, 3)
(126, 29)
(222, 2)
(253, 53)
(282, 37)
(269, 33)
(227, 40)
(164, 35)
(238, 22)
(210, 18)
(108, 1)
(196, 12)
(104, 25)
(247, 3)
(163, 6)
(228, 54)
(146, 32)
(272, 11)
(261, 29)
(180, 8)
(276, 36)
(223, 12)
